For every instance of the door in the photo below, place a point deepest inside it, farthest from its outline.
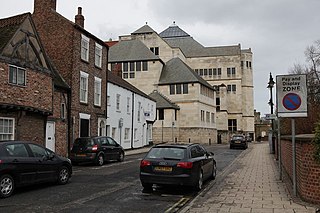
(84, 127)
(50, 136)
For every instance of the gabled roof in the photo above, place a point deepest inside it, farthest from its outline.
(173, 31)
(162, 101)
(146, 29)
(8, 27)
(130, 50)
(176, 71)
(112, 78)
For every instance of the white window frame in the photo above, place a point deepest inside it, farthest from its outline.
(17, 79)
(118, 96)
(98, 55)
(8, 133)
(85, 46)
(97, 91)
(126, 133)
(84, 87)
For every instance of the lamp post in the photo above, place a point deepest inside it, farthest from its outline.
(270, 87)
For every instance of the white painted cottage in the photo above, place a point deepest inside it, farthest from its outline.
(131, 114)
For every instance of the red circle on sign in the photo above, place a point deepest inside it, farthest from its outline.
(291, 101)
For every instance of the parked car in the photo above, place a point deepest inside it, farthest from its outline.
(177, 164)
(25, 163)
(96, 150)
(238, 141)
(249, 139)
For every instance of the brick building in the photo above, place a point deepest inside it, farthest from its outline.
(26, 81)
(81, 59)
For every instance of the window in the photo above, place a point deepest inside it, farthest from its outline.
(63, 111)
(98, 55)
(218, 104)
(17, 150)
(6, 129)
(216, 72)
(108, 100)
(241, 63)
(132, 73)
(125, 69)
(247, 63)
(118, 102)
(126, 133)
(232, 88)
(210, 72)
(232, 125)
(208, 117)
(128, 105)
(138, 66)
(38, 151)
(178, 87)
(139, 111)
(84, 87)
(172, 89)
(17, 75)
(185, 89)
(160, 114)
(231, 71)
(155, 50)
(144, 66)
(135, 133)
(202, 115)
(85, 48)
(113, 133)
(212, 118)
(97, 91)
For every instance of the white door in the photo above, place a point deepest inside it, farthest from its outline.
(50, 139)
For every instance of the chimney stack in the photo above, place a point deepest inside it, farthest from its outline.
(42, 6)
(79, 18)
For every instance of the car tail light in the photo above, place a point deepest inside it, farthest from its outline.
(95, 148)
(145, 163)
(186, 165)
(1, 161)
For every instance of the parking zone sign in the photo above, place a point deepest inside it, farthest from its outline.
(292, 96)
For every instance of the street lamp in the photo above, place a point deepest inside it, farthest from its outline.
(270, 87)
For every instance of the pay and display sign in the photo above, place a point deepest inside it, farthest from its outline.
(292, 96)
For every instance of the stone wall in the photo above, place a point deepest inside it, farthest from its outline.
(307, 169)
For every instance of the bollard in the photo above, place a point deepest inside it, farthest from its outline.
(209, 141)
(189, 140)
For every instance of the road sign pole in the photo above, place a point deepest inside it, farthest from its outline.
(294, 179)
(279, 151)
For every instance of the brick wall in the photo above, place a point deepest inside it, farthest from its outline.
(307, 170)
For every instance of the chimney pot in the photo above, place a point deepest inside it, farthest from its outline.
(79, 18)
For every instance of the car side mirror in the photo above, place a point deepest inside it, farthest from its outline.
(211, 153)
(51, 156)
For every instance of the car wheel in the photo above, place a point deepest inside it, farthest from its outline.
(100, 160)
(199, 183)
(64, 175)
(147, 186)
(6, 186)
(121, 157)
(214, 172)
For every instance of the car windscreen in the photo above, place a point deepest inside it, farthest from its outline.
(83, 142)
(237, 138)
(167, 153)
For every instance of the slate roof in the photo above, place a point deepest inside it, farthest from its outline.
(162, 101)
(146, 29)
(131, 50)
(173, 31)
(8, 27)
(177, 38)
(176, 71)
(112, 78)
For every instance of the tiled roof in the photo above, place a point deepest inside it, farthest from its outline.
(173, 31)
(8, 27)
(162, 101)
(176, 71)
(112, 78)
(143, 30)
(131, 50)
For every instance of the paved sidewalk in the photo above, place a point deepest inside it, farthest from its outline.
(250, 184)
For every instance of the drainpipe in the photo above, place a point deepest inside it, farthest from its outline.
(132, 120)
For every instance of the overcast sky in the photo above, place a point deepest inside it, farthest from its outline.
(277, 31)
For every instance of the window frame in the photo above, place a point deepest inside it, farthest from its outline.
(10, 135)
(15, 74)
(84, 75)
(97, 91)
(85, 48)
(98, 55)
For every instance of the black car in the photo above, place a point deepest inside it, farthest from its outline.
(24, 163)
(177, 164)
(238, 141)
(96, 150)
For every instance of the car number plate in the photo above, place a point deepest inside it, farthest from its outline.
(80, 155)
(238, 141)
(163, 168)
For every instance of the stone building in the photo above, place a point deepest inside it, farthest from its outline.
(30, 86)
(81, 59)
(226, 71)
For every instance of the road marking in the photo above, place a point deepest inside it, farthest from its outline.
(178, 205)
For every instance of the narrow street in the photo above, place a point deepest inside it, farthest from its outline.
(114, 187)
